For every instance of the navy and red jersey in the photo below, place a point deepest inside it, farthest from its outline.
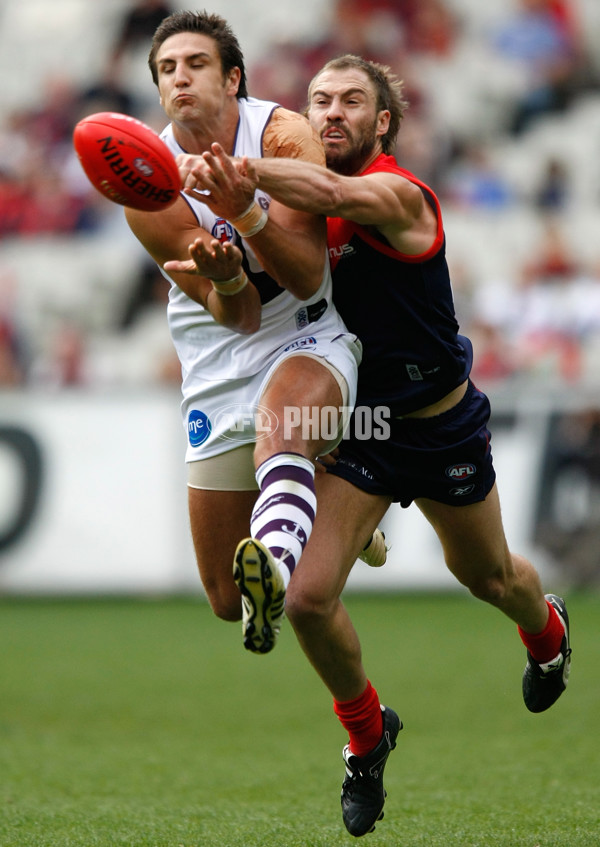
(402, 309)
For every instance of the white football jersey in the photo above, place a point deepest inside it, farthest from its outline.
(224, 372)
(212, 351)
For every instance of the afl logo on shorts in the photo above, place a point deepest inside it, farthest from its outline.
(460, 472)
(308, 341)
(199, 428)
(222, 230)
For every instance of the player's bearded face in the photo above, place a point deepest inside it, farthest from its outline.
(348, 158)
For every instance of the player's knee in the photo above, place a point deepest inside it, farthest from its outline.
(226, 605)
(305, 608)
(490, 589)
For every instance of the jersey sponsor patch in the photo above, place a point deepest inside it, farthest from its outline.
(356, 466)
(309, 314)
(341, 250)
(199, 427)
(414, 373)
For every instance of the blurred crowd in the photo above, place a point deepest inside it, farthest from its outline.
(543, 321)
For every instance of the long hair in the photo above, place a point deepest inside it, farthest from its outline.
(389, 91)
(213, 26)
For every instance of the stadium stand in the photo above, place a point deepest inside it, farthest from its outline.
(71, 261)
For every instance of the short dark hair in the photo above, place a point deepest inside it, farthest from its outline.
(389, 91)
(215, 27)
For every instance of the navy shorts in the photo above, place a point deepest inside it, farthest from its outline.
(446, 458)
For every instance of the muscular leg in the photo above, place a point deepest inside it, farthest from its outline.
(298, 381)
(279, 521)
(218, 519)
(476, 552)
(284, 513)
(346, 517)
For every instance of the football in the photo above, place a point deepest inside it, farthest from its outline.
(127, 161)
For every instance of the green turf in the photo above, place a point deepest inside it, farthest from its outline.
(146, 724)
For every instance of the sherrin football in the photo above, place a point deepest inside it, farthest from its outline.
(127, 161)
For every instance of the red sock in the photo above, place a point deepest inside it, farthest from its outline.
(362, 719)
(545, 645)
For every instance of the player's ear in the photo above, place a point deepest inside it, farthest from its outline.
(232, 80)
(383, 122)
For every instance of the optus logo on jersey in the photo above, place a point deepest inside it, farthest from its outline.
(342, 250)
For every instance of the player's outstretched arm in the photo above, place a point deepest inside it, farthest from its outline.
(290, 244)
(192, 258)
(387, 201)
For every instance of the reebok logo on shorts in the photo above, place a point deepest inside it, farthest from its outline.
(461, 492)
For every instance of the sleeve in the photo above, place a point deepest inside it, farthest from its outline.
(290, 135)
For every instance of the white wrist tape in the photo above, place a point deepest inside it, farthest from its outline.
(228, 287)
(252, 221)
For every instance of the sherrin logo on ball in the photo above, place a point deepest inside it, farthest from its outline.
(126, 161)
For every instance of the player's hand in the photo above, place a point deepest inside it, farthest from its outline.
(215, 179)
(215, 260)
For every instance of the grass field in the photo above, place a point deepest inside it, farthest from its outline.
(145, 723)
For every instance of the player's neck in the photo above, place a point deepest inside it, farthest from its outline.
(375, 153)
(195, 138)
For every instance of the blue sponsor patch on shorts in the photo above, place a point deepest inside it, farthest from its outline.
(199, 427)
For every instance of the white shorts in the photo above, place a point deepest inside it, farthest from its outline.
(227, 418)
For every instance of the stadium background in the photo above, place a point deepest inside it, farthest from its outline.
(505, 126)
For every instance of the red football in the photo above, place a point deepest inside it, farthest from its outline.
(127, 161)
